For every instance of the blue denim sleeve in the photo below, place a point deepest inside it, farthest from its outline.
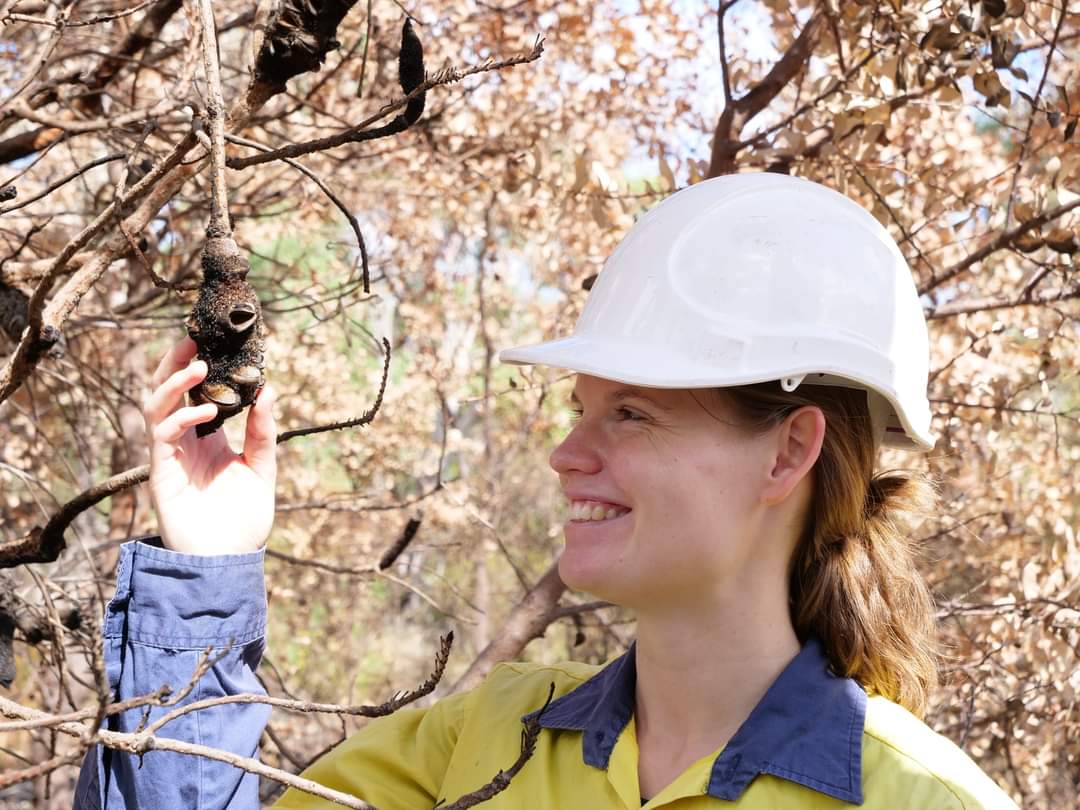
(168, 609)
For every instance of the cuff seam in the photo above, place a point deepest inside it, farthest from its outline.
(180, 559)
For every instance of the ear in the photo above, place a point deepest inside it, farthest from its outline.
(797, 447)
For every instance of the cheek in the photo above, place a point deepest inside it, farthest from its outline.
(708, 502)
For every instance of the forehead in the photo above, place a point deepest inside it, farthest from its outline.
(595, 388)
(706, 402)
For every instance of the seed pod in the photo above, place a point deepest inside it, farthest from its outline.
(226, 325)
(411, 71)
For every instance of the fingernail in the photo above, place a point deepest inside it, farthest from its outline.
(199, 367)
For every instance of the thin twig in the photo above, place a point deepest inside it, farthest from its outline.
(363, 58)
(360, 132)
(366, 418)
(1031, 118)
(1002, 240)
(354, 223)
(392, 705)
(97, 20)
(215, 114)
(141, 743)
(67, 178)
(530, 733)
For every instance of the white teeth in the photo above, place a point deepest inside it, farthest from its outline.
(586, 511)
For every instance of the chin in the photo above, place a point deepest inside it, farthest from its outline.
(594, 575)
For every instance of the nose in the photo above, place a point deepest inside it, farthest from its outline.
(576, 453)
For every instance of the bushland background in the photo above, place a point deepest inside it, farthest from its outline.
(954, 122)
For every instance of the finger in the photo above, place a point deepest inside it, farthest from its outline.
(175, 359)
(170, 431)
(260, 436)
(167, 397)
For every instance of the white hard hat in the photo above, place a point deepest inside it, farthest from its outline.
(748, 278)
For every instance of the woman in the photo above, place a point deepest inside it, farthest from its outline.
(746, 350)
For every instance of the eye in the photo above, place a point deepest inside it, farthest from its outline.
(629, 414)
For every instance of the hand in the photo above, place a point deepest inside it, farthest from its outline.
(208, 499)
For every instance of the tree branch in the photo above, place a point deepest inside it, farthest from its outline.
(219, 226)
(736, 114)
(527, 621)
(1028, 298)
(360, 132)
(1003, 240)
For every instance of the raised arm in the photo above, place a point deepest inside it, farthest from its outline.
(198, 585)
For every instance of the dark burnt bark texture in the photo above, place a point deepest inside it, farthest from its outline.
(299, 35)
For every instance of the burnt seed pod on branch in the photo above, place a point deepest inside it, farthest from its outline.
(299, 35)
(411, 71)
(226, 325)
(410, 76)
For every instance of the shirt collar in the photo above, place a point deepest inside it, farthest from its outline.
(806, 729)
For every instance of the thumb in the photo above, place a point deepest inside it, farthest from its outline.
(260, 437)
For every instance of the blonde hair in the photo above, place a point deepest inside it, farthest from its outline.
(853, 579)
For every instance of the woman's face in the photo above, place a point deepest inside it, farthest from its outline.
(664, 495)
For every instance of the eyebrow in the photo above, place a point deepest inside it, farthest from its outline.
(623, 394)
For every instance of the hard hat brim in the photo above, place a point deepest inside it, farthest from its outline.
(622, 362)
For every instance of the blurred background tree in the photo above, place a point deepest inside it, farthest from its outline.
(485, 222)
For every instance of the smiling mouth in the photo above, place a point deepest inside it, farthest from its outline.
(595, 511)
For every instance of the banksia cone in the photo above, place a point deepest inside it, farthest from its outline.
(226, 324)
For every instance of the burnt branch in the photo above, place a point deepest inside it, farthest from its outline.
(528, 620)
(1024, 299)
(364, 419)
(67, 178)
(141, 743)
(46, 321)
(299, 36)
(95, 80)
(145, 740)
(354, 223)
(44, 543)
(530, 733)
(163, 697)
(215, 113)
(361, 133)
(398, 701)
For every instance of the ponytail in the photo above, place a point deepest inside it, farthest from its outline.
(853, 579)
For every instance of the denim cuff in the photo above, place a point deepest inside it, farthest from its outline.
(186, 601)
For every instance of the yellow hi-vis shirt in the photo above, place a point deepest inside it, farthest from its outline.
(814, 742)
